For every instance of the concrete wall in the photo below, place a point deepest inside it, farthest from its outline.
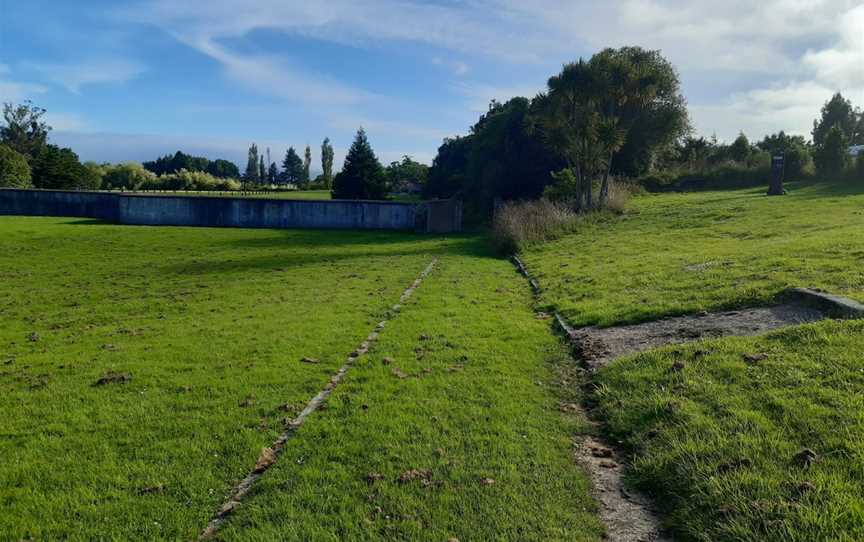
(224, 212)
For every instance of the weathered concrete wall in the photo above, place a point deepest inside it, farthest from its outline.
(225, 212)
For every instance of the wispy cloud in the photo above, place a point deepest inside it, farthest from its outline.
(479, 95)
(457, 67)
(75, 75)
(273, 75)
(11, 91)
(68, 122)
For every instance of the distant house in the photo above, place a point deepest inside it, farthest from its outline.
(855, 150)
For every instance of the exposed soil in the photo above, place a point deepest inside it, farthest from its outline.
(598, 346)
(627, 514)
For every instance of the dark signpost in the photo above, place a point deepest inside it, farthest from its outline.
(775, 186)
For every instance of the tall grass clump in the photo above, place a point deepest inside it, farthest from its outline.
(523, 223)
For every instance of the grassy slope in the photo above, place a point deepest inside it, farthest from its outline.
(475, 405)
(211, 323)
(717, 440)
(682, 253)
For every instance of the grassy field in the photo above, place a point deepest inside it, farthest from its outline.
(459, 400)
(210, 325)
(683, 253)
(721, 443)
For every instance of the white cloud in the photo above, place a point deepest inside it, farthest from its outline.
(67, 122)
(269, 74)
(457, 67)
(388, 128)
(11, 91)
(763, 111)
(75, 75)
(479, 95)
(842, 64)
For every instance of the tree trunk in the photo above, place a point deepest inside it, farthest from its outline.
(604, 185)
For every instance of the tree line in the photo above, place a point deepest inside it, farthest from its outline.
(295, 171)
(28, 159)
(601, 117)
(700, 162)
(620, 114)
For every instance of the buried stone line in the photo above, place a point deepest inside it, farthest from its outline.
(270, 454)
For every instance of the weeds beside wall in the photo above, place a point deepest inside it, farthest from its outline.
(520, 224)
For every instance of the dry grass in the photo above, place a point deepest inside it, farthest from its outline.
(524, 223)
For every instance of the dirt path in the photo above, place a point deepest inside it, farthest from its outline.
(270, 454)
(599, 346)
(627, 514)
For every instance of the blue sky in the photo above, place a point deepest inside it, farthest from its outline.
(129, 80)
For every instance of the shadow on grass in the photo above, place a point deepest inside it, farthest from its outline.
(298, 248)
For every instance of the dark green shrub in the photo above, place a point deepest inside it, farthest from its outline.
(14, 169)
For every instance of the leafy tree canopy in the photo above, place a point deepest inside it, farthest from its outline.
(14, 169)
(23, 129)
(59, 168)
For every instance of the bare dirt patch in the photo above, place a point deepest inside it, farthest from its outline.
(628, 515)
(599, 346)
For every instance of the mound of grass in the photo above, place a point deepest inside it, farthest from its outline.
(754, 438)
(683, 253)
(447, 429)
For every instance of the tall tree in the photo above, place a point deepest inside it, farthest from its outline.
(252, 173)
(838, 111)
(59, 168)
(272, 174)
(832, 156)
(591, 107)
(740, 150)
(292, 168)
(327, 161)
(362, 176)
(23, 129)
(262, 171)
(307, 162)
(407, 175)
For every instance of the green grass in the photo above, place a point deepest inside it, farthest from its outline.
(475, 405)
(716, 441)
(682, 253)
(212, 325)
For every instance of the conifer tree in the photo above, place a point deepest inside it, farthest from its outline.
(362, 176)
(251, 175)
(292, 168)
(307, 161)
(327, 161)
